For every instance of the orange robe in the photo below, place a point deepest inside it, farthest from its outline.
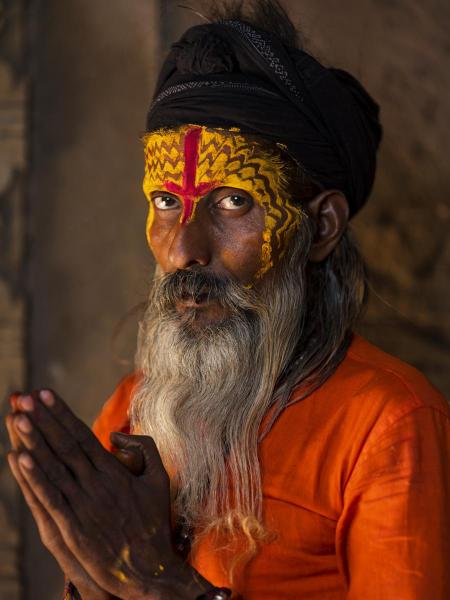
(356, 486)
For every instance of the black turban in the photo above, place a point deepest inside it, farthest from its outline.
(230, 74)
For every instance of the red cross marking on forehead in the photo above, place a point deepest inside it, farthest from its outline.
(189, 191)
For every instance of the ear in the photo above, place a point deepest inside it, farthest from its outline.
(329, 210)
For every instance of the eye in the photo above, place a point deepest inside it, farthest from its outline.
(165, 202)
(232, 202)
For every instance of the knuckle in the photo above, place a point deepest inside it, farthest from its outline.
(104, 497)
(33, 441)
(57, 503)
(86, 439)
(110, 484)
(33, 504)
(84, 434)
(57, 474)
(67, 447)
(48, 538)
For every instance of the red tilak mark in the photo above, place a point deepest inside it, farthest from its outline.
(189, 191)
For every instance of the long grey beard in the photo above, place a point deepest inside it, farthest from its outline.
(204, 393)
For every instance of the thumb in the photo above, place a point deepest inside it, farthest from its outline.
(131, 459)
(141, 450)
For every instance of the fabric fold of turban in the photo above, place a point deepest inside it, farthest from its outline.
(229, 74)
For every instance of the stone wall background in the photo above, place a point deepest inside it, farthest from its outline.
(400, 49)
(78, 210)
(13, 304)
(91, 68)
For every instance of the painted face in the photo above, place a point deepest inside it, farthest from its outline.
(192, 161)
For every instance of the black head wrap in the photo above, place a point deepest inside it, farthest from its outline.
(230, 74)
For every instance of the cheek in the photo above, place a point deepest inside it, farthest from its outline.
(238, 244)
(242, 256)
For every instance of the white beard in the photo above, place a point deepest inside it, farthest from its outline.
(204, 394)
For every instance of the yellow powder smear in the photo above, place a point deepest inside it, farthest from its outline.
(120, 576)
(125, 560)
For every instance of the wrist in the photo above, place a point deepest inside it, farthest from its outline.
(177, 581)
(185, 583)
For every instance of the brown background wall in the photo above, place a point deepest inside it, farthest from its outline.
(13, 101)
(90, 70)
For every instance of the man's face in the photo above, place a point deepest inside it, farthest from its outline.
(223, 320)
(217, 201)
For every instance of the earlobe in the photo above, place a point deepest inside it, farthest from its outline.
(329, 211)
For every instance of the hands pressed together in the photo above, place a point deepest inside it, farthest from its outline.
(108, 526)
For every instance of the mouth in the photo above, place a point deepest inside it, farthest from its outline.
(197, 300)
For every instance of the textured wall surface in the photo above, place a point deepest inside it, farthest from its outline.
(92, 73)
(92, 67)
(401, 51)
(13, 96)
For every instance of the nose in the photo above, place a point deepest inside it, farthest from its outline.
(189, 246)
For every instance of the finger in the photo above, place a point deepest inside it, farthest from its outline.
(79, 494)
(78, 430)
(14, 439)
(32, 439)
(13, 400)
(13, 435)
(146, 445)
(50, 495)
(40, 515)
(61, 441)
(48, 438)
(55, 470)
(71, 531)
(48, 530)
(82, 491)
(100, 484)
(132, 459)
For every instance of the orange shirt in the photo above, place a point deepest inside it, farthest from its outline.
(356, 486)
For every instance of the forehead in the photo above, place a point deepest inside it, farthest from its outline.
(210, 155)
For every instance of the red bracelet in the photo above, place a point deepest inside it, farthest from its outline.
(216, 594)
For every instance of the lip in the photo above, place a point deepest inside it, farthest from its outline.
(202, 299)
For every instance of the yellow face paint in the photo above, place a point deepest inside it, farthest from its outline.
(192, 160)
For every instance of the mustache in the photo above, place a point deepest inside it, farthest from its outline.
(196, 285)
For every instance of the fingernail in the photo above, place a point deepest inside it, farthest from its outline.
(24, 424)
(26, 403)
(26, 461)
(124, 452)
(47, 397)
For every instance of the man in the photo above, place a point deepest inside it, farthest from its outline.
(296, 459)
